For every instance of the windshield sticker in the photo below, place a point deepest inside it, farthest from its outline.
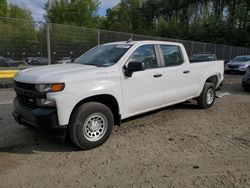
(123, 46)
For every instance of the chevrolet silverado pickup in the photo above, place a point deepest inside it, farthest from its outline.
(108, 84)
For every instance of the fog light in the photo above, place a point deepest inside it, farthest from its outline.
(45, 103)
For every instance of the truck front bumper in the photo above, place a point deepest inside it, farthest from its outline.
(41, 119)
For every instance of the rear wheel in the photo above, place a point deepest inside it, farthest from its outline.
(91, 125)
(207, 96)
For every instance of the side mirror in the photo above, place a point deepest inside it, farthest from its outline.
(134, 67)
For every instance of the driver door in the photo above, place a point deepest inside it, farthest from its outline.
(144, 90)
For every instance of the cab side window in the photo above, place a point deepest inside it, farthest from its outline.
(145, 54)
(172, 55)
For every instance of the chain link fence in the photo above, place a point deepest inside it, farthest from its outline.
(24, 43)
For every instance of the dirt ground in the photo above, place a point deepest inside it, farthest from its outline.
(179, 146)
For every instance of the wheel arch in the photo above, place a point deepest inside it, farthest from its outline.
(214, 79)
(109, 100)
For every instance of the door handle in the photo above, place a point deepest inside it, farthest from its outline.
(186, 72)
(157, 75)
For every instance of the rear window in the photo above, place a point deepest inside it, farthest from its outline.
(172, 55)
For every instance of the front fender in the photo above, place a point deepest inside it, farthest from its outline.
(75, 93)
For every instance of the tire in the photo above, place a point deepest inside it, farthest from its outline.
(228, 72)
(91, 125)
(242, 73)
(207, 96)
(246, 89)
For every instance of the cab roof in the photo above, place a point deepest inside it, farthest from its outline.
(143, 42)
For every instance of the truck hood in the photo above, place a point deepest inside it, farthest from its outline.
(239, 63)
(53, 73)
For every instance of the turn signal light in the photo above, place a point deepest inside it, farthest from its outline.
(57, 87)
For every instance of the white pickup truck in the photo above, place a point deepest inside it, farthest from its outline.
(109, 83)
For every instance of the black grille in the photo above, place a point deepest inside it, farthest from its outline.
(25, 94)
(233, 66)
(26, 86)
(26, 101)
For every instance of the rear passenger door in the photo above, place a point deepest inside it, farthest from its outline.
(144, 90)
(176, 74)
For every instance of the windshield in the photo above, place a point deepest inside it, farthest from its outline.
(241, 59)
(103, 56)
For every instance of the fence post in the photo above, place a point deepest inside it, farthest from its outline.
(231, 49)
(48, 44)
(192, 47)
(98, 37)
(224, 49)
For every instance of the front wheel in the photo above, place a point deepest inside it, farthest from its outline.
(246, 89)
(207, 96)
(91, 125)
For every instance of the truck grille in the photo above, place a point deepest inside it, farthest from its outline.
(26, 101)
(26, 86)
(25, 94)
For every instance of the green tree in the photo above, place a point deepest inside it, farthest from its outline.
(72, 12)
(129, 16)
(15, 11)
(3, 7)
(18, 36)
(222, 21)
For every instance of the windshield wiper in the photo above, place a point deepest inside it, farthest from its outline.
(90, 64)
(94, 64)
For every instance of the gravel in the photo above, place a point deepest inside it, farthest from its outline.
(179, 146)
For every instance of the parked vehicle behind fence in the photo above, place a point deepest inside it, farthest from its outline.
(7, 62)
(238, 64)
(110, 83)
(36, 60)
(65, 60)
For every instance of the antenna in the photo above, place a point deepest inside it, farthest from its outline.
(130, 40)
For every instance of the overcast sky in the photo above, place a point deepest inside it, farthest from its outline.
(36, 7)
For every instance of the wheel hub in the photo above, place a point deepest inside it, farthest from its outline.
(210, 96)
(95, 127)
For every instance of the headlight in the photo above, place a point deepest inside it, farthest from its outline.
(44, 88)
(243, 66)
(45, 103)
